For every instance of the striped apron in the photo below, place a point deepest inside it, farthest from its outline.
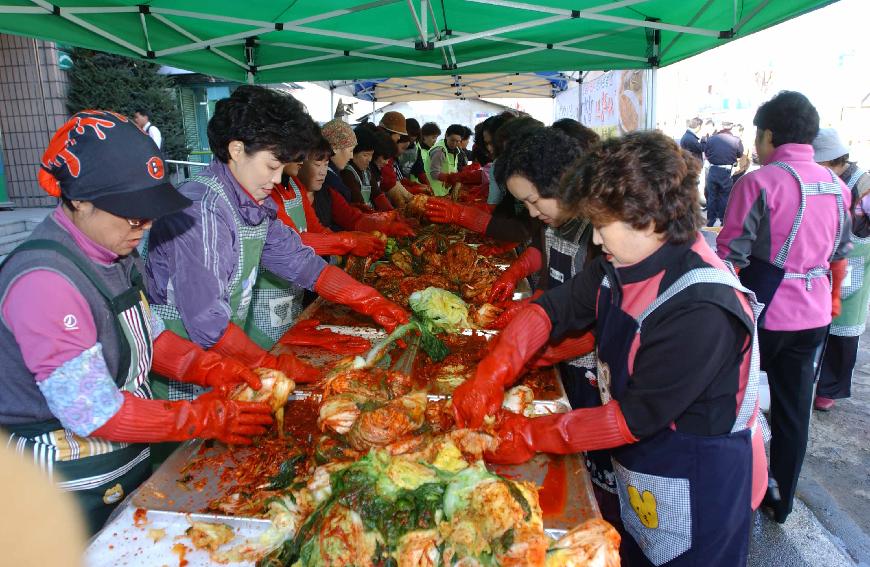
(99, 473)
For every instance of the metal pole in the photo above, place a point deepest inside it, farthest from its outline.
(331, 100)
(580, 97)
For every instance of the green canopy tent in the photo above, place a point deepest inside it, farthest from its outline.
(270, 42)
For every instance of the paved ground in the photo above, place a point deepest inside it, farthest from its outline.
(835, 482)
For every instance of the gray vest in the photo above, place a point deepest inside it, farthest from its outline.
(21, 401)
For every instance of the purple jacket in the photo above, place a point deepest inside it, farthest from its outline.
(761, 210)
(193, 254)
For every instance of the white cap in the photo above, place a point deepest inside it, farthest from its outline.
(828, 145)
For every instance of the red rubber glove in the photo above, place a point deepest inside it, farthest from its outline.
(445, 211)
(449, 179)
(511, 308)
(388, 223)
(416, 188)
(482, 395)
(210, 416)
(338, 287)
(838, 274)
(529, 262)
(470, 175)
(399, 228)
(344, 242)
(590, 429)
(236, 344)
(496, 249)
(568, 348)
(185, 361)
(382, 203)
(306, 333)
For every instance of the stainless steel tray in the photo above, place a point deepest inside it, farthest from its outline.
(122, 542)
(162, 492)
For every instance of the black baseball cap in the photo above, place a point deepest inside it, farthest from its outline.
(103, 157)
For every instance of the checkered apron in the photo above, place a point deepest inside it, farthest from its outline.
(241, 286)
(677, 491)
(855, 296)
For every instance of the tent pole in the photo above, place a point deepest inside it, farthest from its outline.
(331, 100)
(580, 97)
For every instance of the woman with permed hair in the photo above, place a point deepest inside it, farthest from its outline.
(203, 262)
(678, 364)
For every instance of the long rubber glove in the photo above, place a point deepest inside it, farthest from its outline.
(511, 308)
(590, 429)
(236, 344)
(185, 361)
(344, 242)
(496, 249)
(336, 286)
(382, 203)
(568, 348)
(470, 175)
(529, 262)
(838, 274)
(306, 333)
(210, 416)
(445, 211)
(416, 188)
(482, 395)
(378, 221)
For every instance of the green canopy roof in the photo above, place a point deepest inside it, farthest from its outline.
(268, 41)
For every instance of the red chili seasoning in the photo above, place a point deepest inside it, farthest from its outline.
(553, 494)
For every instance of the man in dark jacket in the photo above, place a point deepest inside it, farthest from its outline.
(691, 141)
(722, 151)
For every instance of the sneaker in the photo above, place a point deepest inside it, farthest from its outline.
(823, 404)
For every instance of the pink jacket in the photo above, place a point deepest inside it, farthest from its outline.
(760, 214)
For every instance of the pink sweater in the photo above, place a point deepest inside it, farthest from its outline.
(50, 319)
(761, 210)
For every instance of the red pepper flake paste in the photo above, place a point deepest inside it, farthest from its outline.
(140, 517)
(180, 550)
(553, 494)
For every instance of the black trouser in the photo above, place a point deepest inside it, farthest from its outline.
(718, 189)
(787, 357)
(835, 381)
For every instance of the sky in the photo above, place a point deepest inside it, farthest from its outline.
(823, 54)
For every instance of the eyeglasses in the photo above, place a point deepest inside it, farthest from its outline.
(137, 223)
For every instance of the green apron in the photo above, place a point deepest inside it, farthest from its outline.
(110, 470)
(448, 166)
(364, 181)
(424, 155)
(855, 295)
(276, 302)
(252, 239)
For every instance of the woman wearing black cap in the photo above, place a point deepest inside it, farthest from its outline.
(77, 337)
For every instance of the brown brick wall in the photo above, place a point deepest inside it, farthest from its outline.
(30, 111)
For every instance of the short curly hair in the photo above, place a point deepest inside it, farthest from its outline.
(790, 117)
(512, 130)
(587, 137)
(641, 178)
(541, 157)
(262, 119)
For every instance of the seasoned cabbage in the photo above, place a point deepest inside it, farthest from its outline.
(440, 309)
